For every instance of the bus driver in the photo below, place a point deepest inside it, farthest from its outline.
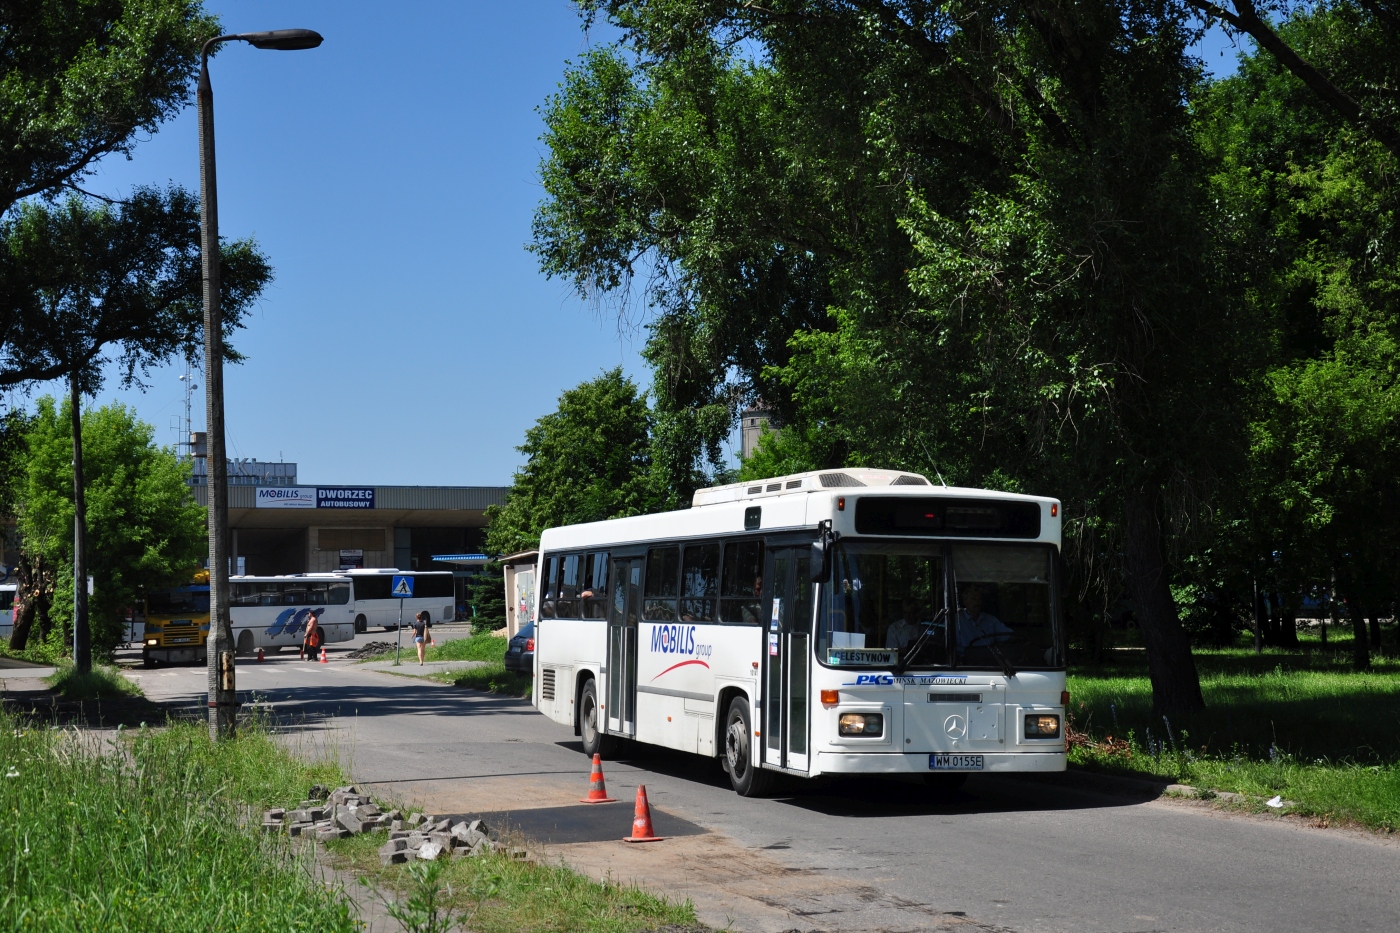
(975, 627)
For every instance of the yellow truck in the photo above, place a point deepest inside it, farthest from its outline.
(177, 623)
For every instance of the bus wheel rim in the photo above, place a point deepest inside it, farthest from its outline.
(734, 747)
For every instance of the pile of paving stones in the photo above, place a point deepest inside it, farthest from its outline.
(346, 812)
(373, 649)
(337, 814)
(430, 839)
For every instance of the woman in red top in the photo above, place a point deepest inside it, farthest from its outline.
(312, 639)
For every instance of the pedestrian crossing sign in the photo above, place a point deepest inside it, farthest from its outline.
(403, 587)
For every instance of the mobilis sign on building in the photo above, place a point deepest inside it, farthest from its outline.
(315, 497)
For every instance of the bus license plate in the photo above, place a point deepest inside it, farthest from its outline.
(955, 762)
(178, 641)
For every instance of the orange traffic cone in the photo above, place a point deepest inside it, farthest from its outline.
(641, 820)
(324, 659)
(260, 655)
(597, 789)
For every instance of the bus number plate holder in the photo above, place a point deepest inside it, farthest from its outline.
(955, 762)
(178, 641)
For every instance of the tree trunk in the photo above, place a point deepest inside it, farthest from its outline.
(1273, 628)
(1175, 683)
(82, 635)
(1375, 631)
(1258, 620)
(1360, 644)
(26, 602)
(1288, 625)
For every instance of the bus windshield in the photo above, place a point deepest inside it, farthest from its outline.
(921, 605)
(178, 602)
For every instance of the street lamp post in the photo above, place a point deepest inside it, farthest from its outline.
(223, 696)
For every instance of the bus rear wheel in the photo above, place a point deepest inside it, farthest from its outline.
(747, 779)
(594, 741)
(361, 624)
(245, 644)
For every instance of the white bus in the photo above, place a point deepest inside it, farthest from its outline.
(7, 610)
(844, 621)
(271, 612)
(434, 592)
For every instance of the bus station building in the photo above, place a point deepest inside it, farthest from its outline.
(278, 529)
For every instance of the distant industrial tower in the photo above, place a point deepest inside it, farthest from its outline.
(752, 421)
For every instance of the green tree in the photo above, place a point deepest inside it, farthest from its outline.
(145, 530)
(587, 461)
(1312, 196)
(971, 239)
(82, 80)
(486, 599)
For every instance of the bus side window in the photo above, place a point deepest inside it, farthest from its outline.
(741, 583)
(700, 582)
(569, 588)
(595, 586)
(549, 587)
(662, 584)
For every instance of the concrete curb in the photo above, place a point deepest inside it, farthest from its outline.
(1145, 788)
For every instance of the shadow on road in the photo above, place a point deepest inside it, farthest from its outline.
(874, 796)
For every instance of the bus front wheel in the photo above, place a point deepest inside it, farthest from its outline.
(245, 643)
(747, 778)
(361, 624)
(594, 741)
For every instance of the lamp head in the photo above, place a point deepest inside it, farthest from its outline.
(285, 40)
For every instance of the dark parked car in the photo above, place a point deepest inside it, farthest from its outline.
(520, 654)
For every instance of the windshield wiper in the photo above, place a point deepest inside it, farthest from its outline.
(1006, 667)
(908, 656)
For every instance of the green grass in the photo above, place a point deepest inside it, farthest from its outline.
(100, 683)
(497, 894)
(493, 678)
(153, 834)
(1300, 724)
(475, 648)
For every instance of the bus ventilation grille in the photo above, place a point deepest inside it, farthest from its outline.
(910, 481)
(839, 479)
(547, 684)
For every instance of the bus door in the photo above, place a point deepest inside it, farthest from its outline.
(625, 610)
(786, 668)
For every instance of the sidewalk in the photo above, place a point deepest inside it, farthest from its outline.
(411, 668)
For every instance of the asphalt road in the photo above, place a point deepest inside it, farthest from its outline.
(849, 855)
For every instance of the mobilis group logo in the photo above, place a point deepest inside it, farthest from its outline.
(679, 639)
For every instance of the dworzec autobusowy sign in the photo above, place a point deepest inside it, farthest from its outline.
(315, 497)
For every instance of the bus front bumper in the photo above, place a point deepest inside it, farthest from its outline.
(185, 654)
(894, 763)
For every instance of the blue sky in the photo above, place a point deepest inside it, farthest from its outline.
(390, 176)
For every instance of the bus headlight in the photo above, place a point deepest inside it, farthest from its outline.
(1041, 726)
(152, 641)
(870, 725)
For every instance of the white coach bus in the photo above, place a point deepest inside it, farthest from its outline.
(434, 592)
(271, 612)
(844, 621)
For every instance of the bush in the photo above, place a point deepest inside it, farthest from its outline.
(100, 683)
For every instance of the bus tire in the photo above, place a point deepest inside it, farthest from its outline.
(147, 661)
(361, 624)
(245, 643)
(747, 779)
(594, 741)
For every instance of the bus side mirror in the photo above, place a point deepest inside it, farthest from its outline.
(823, 553)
